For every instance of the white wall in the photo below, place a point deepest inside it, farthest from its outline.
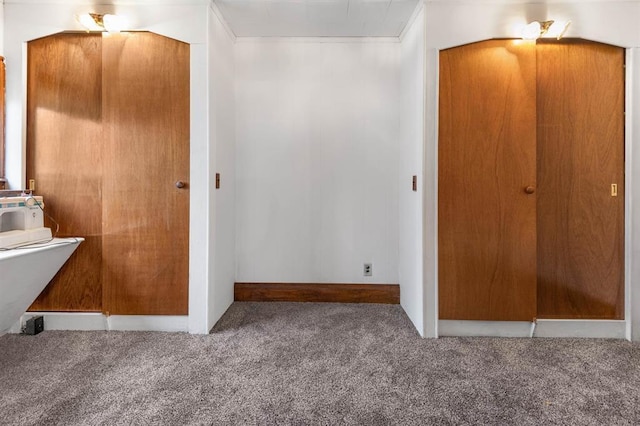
(188, 23)
(411, 163)
(222, 236)
(453, 23)
(317, 127)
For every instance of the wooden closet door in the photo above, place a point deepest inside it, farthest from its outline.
(64, 156)
(145, 216)
(487, 157)
(580, 154)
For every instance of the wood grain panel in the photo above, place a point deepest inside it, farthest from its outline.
(580, 154)
(2, 118)
(487, 156)
(336, 293)
(64, 156)
(73, 289)
(145, 217)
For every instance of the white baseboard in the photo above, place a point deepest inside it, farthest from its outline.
(171, 323)
(603, 329)
(607, 329)
(79, 321)
(82, 321)
(484, 328)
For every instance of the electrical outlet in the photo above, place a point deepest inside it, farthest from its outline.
(34, 325)
(368, 269)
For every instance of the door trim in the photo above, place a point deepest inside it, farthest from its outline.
(466, 328)
(611, 329)
(632, 192)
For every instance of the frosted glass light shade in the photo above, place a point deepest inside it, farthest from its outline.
(531, 31)
(88, 21)
(112, 23)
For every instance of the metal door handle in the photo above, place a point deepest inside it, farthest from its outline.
(180, 184)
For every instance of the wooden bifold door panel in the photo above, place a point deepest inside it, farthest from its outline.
(65, 157)
(580, 155)
(145, 216)
(487, 236)
(531, 140)
(108, 137)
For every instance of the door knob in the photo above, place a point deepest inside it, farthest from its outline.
(180, 184)
(529, 190)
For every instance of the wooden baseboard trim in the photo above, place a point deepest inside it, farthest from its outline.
(303, 292)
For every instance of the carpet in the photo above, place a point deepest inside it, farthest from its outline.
(314, 364)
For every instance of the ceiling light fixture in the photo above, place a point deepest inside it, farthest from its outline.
(557, 29)
(537, 29)
(100, 22)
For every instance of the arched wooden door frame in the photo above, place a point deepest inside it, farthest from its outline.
(189, 26)
(628, 328)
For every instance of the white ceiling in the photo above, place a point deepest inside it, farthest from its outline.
(317, 18)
